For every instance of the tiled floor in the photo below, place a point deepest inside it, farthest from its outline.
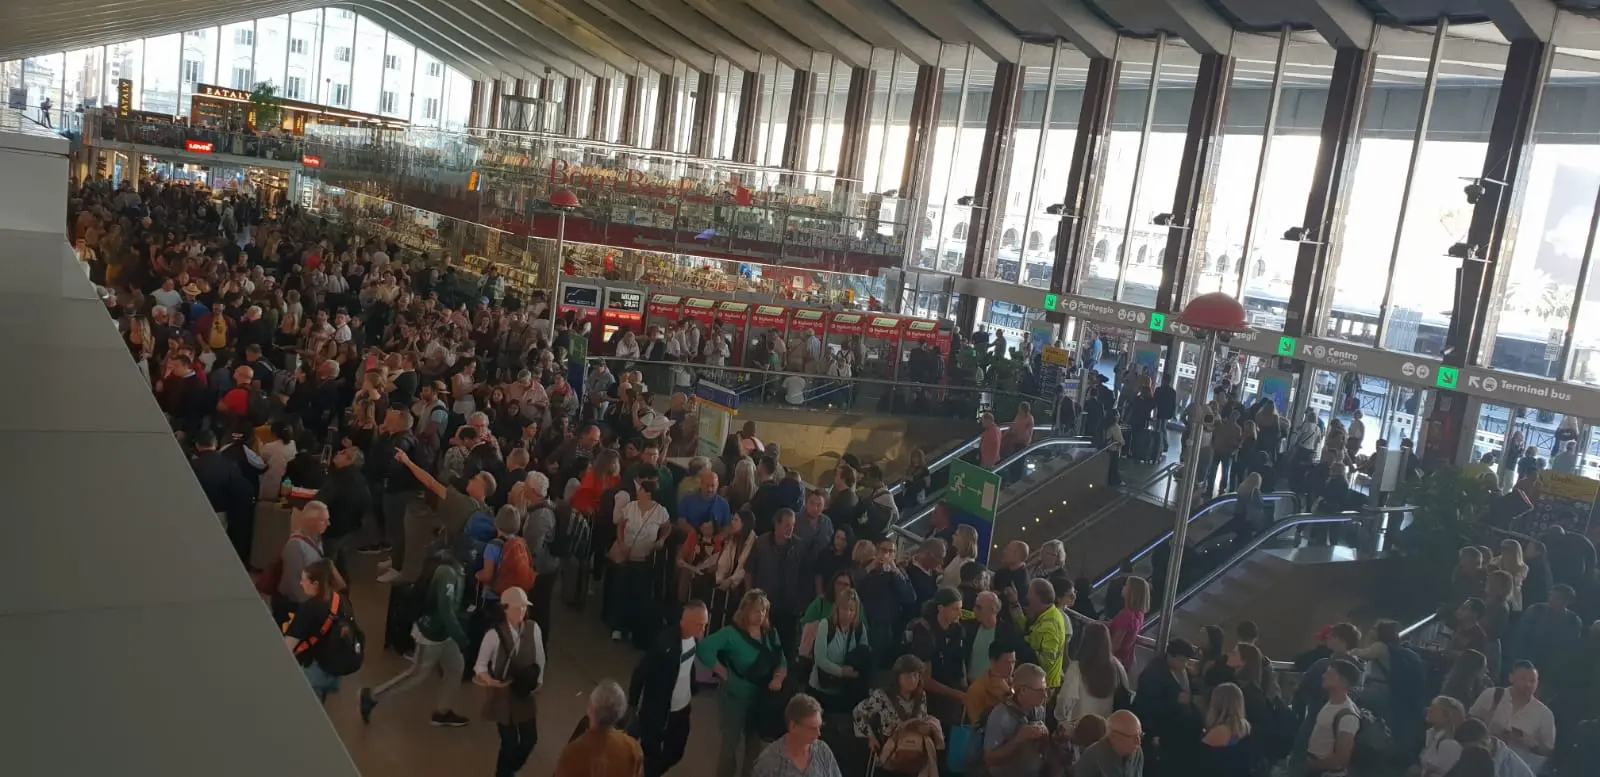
(400, 743)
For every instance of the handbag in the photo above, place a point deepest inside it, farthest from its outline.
(959, 748)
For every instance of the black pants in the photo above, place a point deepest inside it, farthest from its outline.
(242, 532)
(516, 744)
(663, 748)
(544, 590)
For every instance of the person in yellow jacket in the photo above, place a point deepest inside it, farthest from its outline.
(1047, 631)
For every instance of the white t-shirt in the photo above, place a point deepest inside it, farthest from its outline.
(639, 528)
(1322, 734)
(794, 388)
(1533, 720)
(1439, 753)
(683, 690)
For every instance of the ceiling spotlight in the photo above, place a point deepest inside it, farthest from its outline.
(965, 201)
(1301, 235)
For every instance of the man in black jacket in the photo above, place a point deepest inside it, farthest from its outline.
(228, 491)
(662, 688)
(349, 499)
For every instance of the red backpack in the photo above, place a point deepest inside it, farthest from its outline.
(515, 569)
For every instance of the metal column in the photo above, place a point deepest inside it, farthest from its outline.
(745, 128)
(857, 122)
(1479, 283)
(1197, 174)
(494, 105)
(704, 114)
(1075, 234)
(628, 133)
(666, 124)
(570, 107)
(994, 173)
(600, 110)
(475, 105)
(797, 124)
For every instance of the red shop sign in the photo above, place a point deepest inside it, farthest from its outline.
(700, 309)
(734, 312)
(667, 306)
(807, 321)
(846, 324)
(310, 161)
(198, 146)
(886, 327)
(922, 331)
(770, 316)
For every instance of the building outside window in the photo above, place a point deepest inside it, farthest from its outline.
(391, 62)
(298, 46)
(342, 53)
(387, 103)
(294, 88)
(193, 71)
(341, 95)
(430, 107)
(244, 37)
(242, 78)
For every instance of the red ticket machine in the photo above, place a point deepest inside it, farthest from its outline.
(842, 328)
(663, 310)
(882, 341)
(919, 331)
(701, 309)
(624, 309)
(735, 317)
(580, 302)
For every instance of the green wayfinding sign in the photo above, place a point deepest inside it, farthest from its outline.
(1288, 346)
(1158, 322)
(1448, 376)
(973, 489)
(1051, 302)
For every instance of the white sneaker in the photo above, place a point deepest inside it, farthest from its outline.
(616, 636)
(389, 576)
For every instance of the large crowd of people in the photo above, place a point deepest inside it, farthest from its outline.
(437, 421)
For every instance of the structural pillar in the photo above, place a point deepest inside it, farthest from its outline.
(747, 124)
(925, 99)
(600, 110)
(797, 124)
(521, 87)
(570, 108)
(857, 122)
(1197, 173)
(1075, 232)
(475, 106)
(700, 120)
(994, 173)
(1336, 155)
(1479, 284)
(628, 133)
(666, 113)
(494, 105)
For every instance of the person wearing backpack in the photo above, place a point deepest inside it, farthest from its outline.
(441, 641)
(322, 635)
(506, 561)
(546, 542)
(1330, 750)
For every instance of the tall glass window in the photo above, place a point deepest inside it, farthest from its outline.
(237, 59)
(1411, 271)
(84, 78)
(458, 100)
(370, 68)
(124, 60)
(1118, 174)
(272, 50)
(305, 56)
(1158, 177)
(399, 63)
(649, 100)
(161, 73)
(1055, 165)
(775, 126)
(199, 64)
(953, 165)
(338, 59)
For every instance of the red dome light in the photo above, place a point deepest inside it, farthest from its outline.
(1215, 312)
(564, 199)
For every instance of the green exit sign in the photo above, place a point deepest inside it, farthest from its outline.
(1288, 346)
(1051, 302)
(1447, 378)
(1158, 322)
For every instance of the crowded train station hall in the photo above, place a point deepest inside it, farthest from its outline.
(834, 388)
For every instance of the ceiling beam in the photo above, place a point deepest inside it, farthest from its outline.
(1523, 19)
(960, 21)
(642, 25)
(885, 26)
(648, 52)
(391, 16)
(561, 32)
(692, 25)
(1070, 20)
(1345, 24)
(492, 14)
(483, 29)
(742, 21)
(1201, 27)
(817, 30)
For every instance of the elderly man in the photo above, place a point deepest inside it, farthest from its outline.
(1047, 629)
(455, 509)
(1015, 737)
(602, 750)
(800, 752)
(705, 504)
(303, 548)
(539, 529)
(988, 627)
(662, 689)
(1117, 755)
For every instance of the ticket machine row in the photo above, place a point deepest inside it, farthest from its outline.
(885, 339)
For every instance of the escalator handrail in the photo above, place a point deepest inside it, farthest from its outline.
(1127, 494)
(1292, 522)
(1215, 504)
(971, 445)
(1053, 442)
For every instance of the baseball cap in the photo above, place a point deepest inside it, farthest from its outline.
(514, 595)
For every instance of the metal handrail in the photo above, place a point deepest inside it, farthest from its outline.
(944, 460)
(1292, 522)
(1215, 504)
(1128, 494)
(1054, 442)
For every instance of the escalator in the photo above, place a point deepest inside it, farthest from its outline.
(1303, 573)
(1034, 485)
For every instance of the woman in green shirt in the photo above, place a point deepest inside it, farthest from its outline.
(748, 656)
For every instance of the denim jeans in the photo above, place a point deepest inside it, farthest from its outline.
(322, 683)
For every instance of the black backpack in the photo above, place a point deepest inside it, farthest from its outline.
(258, 406)
(341, 645)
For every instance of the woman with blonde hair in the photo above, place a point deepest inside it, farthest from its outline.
(966, 549)
(748, 656)
(843, 657)
(1510, 561)
(1127, 623)
(1440, 750)
(1226, 728)
(1052, 558)
(742, 486)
